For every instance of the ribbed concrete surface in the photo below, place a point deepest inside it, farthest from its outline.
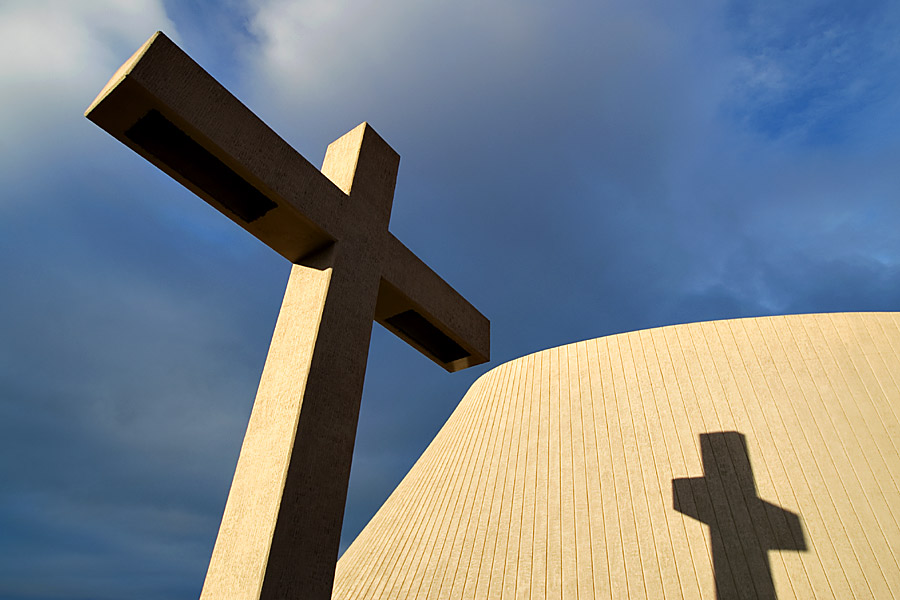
(615, 468)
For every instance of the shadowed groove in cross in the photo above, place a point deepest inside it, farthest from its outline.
(742, 526)
(162, 138)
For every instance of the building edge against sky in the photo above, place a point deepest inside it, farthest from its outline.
(741, 458)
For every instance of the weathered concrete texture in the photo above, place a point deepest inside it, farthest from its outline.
(732, 459)
(281, 528)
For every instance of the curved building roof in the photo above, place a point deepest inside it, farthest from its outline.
(732, 459)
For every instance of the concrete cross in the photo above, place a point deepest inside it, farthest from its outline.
(742, 526)
(281, 528)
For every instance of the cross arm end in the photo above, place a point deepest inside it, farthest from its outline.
(168, 109)
(418, 306)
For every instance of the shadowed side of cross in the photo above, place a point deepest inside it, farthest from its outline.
(281, 527)
(743, 527)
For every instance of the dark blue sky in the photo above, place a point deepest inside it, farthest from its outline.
(575, 170)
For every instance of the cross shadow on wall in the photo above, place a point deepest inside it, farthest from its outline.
(743, 527)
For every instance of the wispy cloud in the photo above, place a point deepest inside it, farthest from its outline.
(811, 69)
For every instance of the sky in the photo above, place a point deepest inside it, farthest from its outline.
(574, 169)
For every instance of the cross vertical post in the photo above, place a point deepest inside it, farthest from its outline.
(281, 528)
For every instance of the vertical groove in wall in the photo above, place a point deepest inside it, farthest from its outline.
(774, 370)
(866, 457)
(446, 466)
(691, 541)
(834, 499)
(727, 506)
(615, 542)
(568, 488)
(746, 408)
(490, 513)
(386, 518)
(491, 568)
(599, 551)
(645, 485)
(422, 566)
(538, 552)
(655, 475)
(439, 565)
(878, 471)
(521, 586)
(584, 582)
(418, 523)
(553, 563)
(508, 560)
(708, 497)
(556, 476)
(866, 361)
(846, 447)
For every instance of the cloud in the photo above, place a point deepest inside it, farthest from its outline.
(54, 57)
(810, 70)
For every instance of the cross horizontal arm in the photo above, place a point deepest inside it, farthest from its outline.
(165, 107)
(421, 308)
(788, 528)
(684, 500)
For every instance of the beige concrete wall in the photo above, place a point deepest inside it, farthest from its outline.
(616, 468)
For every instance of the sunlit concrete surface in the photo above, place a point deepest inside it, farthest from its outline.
(752, 458)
